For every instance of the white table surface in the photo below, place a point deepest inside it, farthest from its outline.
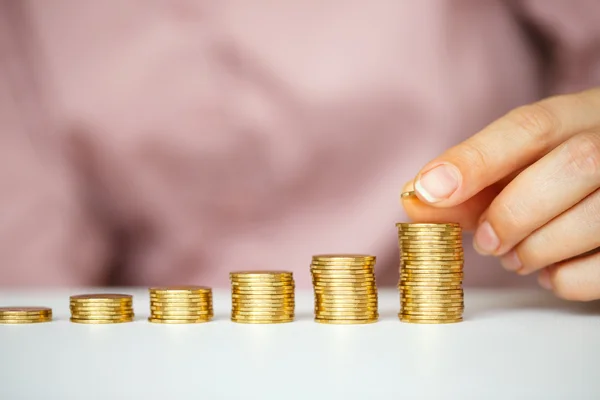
(512, 345)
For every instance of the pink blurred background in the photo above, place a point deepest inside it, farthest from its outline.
(169, 142)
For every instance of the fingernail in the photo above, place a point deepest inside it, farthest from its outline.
(511, 261)
(486, 240)
(438, 183)
(544, 279)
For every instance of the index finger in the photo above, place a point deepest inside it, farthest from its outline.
(507, 145)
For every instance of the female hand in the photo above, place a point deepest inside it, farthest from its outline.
(529, 186)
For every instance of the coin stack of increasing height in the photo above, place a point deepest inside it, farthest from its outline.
(25, 315)
(345, 288)
(181, 304)
(431, 273)
(262, 297)
(101, 308)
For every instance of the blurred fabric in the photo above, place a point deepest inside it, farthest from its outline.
(164, 142)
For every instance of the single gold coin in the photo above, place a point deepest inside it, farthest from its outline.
(327, 257)
(177, 321)
(347, 302)
(183, 288)
(261, 321)
(250, 291)
(102, 297)
(24, 317)
(24, 310)
(24, 321)
(339, 283)
(429, 321)
(262, 317)
(100, 321)
(345, 321)
(410, 193)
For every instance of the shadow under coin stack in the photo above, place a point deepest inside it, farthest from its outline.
(345, 289)
(25, 315)
(262, 297)
(181, 305)
(431, 273)
(101, 308)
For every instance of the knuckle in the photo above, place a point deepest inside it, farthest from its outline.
(474, 154)
(535, 120)
(567, 286)
(583, 154)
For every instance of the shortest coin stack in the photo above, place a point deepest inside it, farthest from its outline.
(24, 315)
(262, 297)
(102, 308)
(181, 305)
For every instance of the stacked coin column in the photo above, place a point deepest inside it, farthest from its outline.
(431, 273)
(101, 308)
(262, 297)
(181, 305)
(345, 288)
(25, 315)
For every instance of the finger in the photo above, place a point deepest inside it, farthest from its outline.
(466, 214)
(572, 233)
(546, 189)
(511, 142)
(577, 279)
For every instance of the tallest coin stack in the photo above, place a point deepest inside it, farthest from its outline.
(431, 273)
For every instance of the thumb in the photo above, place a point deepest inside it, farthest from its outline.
(466, 214)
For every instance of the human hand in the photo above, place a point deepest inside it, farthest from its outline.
(528, 184)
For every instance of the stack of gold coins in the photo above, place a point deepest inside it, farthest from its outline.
(25, 315)
(101, 308)
(431, 273)
(181, 304)
(345, 288)
(262, 297)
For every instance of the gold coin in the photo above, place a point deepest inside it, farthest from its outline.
(263, 317)
(177, 321)
(431, 317)
(410, 193)
(261, 274)
(362, 317)
(349, 268)
(25, 321)
(259, 321)
(407, 290)
(258, 292)
(237, 307)
(24, 310)
(290, 295)
(345, 321)
(404, 281)
(7, 319)
(428, 225)
(428, 266)
(429, 321)
(181, 312)
(342, 256)
(176, 296)
(425, 301)
(340, 283)
(102, 297)
(102, 316)
(111, 314)
(100, 321)
(262, 305)
(432, 293)
(435, 240)
(436, 273)
(346, 302)
(345, 310)
(433, 311)
(434, 234)
(184, 289)
(101, 309)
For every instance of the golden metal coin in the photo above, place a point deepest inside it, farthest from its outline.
(184, 289)
(24, 310)
(410, 193)
(429, 321)
(24, 321)
(345, 321)
(109, 297)
(177, 321)
(100, 321)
